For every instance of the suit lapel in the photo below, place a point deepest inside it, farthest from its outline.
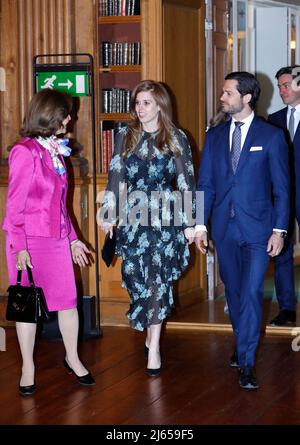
(297, 134)
(284, 121)
(225, 143)
(283, 118)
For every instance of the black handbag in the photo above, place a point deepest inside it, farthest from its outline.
(26, 303)
(109, 248)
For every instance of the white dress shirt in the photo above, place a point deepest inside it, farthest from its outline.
(244, 128)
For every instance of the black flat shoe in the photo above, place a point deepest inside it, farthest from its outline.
(153, 372)
(234, 360)
(146, 351)
(247, 378)
(86, 380)
(284, 318)
(27, 390)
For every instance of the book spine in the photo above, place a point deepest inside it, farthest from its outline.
(127, 101)
(105, 95)
(104, 152)
(137, 8)
(110, 7)
(128, 7)
(123, 7)
(101, 147)
(112, 143)
(109, 147)
(105, 53)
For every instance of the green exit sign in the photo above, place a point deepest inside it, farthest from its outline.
(76, 83)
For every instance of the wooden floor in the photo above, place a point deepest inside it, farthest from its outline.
(209, 316)
(196, 386)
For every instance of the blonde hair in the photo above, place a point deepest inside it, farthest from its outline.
(165, 140)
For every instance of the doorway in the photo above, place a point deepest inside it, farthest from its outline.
(206, 41)
(183, 72)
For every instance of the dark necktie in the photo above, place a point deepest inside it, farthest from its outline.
(236, 145)
(292, 123)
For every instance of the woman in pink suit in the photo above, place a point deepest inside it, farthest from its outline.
(39, 232)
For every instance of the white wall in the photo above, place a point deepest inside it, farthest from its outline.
(271, 53)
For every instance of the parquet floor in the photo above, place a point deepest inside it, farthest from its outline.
(196, 386)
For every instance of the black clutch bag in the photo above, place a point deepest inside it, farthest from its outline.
(109, 248)
(26, 303)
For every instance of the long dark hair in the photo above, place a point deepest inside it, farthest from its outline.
(165, 140)
(46, 112)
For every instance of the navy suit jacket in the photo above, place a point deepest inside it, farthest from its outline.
(259, 190)
(280, 120)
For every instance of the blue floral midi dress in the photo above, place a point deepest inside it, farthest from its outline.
(150, 221)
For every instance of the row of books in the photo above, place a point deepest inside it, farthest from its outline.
(116, 100)
(119, 7)
(108, 129)
(120, 53)
(107, 143)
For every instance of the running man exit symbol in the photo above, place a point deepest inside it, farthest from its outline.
(76, 83)
(49, 82)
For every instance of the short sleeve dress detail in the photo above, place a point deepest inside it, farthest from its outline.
(150, 240)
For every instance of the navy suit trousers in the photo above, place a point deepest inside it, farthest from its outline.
(242, 268)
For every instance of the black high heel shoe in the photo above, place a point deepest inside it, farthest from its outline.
(27, 390)
(86, 380)
(152, 372)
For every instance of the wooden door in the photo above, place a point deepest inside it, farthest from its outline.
(216, 48)
(183, 71)
(216, 33)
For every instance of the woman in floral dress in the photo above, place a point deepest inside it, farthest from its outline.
(153, 220)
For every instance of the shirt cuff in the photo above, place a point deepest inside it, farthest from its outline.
(200, 228)
(280, 230)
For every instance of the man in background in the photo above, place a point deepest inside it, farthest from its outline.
(288, 119)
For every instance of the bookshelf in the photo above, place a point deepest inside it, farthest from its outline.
(118, 67)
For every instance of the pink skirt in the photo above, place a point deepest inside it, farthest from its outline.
(52, 270)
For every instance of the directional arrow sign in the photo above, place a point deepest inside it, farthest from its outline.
(76, 83)
(67, 84)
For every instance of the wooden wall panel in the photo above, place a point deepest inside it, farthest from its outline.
(152, 54)
(3, 266)
(84, 40)
(9, 99)
(27, 28)
(219, 48)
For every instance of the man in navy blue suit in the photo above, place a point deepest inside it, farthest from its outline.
(288, 119)
(244, 175)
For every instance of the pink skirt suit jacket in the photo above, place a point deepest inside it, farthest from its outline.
(37, 220)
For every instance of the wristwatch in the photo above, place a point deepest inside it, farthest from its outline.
(281, 234)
